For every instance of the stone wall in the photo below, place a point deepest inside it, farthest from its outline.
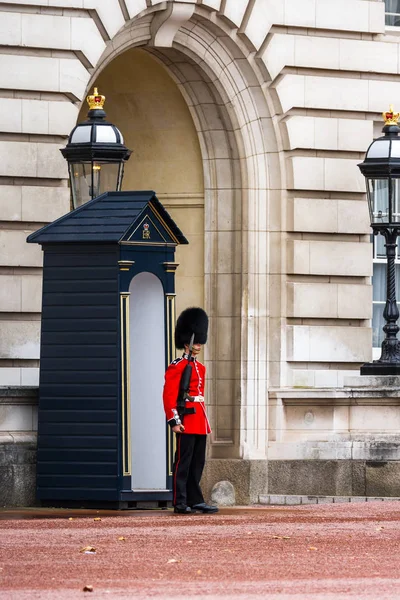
(18, 439)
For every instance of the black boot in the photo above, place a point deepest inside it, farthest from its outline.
(182, 509)
(205, 508)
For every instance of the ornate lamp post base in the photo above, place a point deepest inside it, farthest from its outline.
(389, 361)
(380, 368)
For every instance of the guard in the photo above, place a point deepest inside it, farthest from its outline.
(184, 407)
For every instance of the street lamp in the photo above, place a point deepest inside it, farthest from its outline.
(96, 154)
(381, 169)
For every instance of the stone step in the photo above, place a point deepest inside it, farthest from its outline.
(288, 500)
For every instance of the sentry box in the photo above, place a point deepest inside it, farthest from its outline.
(108, 317)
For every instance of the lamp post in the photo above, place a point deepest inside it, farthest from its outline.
(96, 154)
(381, 169)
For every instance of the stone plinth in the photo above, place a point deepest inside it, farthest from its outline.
(343, 441)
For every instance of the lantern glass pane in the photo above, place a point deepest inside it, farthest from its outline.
(105, 134)
(81, 135)
(90, 180)
(379, 149)
(396, 200)
(80, 175)
(395, 151)
(106, 177)
(378, 200)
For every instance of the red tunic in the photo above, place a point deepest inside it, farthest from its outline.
(197, 422)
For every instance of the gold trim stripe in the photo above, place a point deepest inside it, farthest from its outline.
(128, 383)
(163, 223)
(125, 385)
(169, 244)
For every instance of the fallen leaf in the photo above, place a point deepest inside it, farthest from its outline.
(173, 560)
(313, 548)
(97, 519)
(71, 519)
(121, 539)
(379, 528)
(88, 588)
(199, 572)
(88, 550)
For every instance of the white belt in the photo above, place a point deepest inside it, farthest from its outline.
(195, 399)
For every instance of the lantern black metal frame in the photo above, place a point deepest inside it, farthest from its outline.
(386, 168)
(93, 152)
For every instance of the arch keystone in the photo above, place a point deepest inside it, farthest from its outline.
(166, 23)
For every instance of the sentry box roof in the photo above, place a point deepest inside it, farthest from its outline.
(113, 217)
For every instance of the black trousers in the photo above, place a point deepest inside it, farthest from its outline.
(189, 462)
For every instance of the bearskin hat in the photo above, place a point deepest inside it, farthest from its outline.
(191, 321)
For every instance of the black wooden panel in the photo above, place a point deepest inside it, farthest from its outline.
(56, 263)
(70, 455)
(74, 428)
(84, 312)
(87, 363)
(86, 286)
(78, 481)
(52, 350)
(83, 494)
(96, 403)
(74, 390)
(80, 416)
(87, 339)
(77, 468)
(82, 299)
(79, 272)
(64, 377)
(79, 248)
(71, 441)
(80, 237)
(53, 325)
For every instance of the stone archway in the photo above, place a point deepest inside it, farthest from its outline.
(241, 189)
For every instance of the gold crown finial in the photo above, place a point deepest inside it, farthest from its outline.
(95, 100)
(390, 117)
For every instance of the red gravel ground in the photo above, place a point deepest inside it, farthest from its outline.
(324, 552)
